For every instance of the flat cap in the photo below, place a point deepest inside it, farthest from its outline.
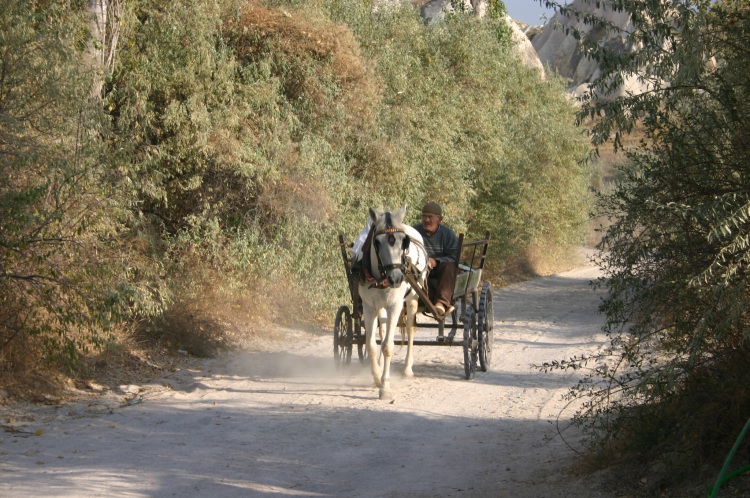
(432, 208)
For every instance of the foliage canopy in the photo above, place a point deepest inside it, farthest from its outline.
(233, 141)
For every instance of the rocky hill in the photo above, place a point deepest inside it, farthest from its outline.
(560, 52)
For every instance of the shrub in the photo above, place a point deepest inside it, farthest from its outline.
(676, 253)
(61, 286)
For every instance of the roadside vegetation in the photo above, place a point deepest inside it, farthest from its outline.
(669, 396)
(179, 182)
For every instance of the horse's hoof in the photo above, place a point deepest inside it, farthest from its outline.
(408, 374)
(386, 394)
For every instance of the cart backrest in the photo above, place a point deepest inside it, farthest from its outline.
(472, 256)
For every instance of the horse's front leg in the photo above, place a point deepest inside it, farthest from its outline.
(370, 318)
(410, 328)
(382, 323)
(386, 348)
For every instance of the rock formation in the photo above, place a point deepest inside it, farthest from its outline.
(560, 52)
(524, 47)
(548, 47)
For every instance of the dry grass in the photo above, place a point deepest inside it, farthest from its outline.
(537, 261)
(202, 327)
(126, 363)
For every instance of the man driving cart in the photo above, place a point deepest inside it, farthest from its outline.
(441, 244)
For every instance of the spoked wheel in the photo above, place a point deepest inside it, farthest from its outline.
(342, 336)
(485, 324)
(470, 343)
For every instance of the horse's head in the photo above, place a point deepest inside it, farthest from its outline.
(389, 245)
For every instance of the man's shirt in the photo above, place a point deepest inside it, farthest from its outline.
(442, 245)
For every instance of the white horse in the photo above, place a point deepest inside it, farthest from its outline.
(391, 245)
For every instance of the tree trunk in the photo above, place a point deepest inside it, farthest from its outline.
(105, 30)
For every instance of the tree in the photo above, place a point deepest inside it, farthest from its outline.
(677, 253)
(58, 288)
(104, 26)
(232, 141)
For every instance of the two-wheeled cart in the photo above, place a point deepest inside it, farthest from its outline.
(472, 299)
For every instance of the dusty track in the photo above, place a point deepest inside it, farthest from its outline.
(287, 422)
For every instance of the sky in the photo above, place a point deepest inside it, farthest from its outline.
(528, 11)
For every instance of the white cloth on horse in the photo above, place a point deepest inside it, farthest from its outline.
(359, 242)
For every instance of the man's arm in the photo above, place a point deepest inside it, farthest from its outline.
(449, 242)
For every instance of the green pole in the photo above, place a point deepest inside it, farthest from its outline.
(714, 490)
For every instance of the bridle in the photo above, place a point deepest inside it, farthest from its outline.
(382, 269)
(405, 265)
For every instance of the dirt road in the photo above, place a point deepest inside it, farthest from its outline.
(288, 423)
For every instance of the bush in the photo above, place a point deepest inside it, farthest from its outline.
(676, 254)
(282, 124)
(61, 287)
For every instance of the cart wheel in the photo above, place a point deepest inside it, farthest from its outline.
(359, 339)
(486, 322)
(342, 336)
(470, 343)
